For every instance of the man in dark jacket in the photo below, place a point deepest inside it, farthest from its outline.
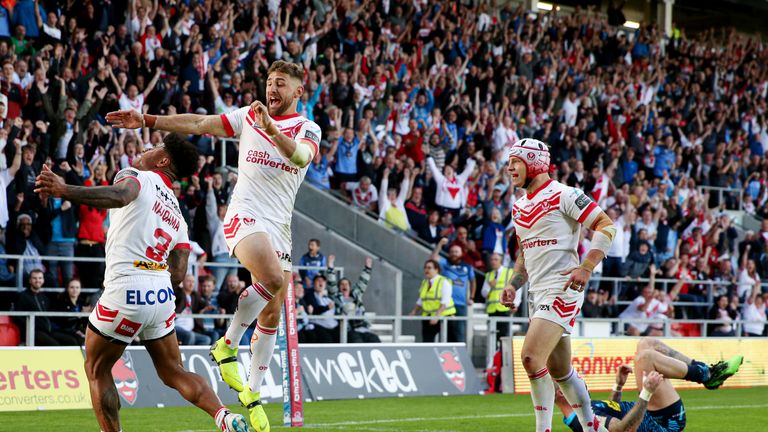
(188, 301)
(34, 300)
(349, 300)
(24, 240)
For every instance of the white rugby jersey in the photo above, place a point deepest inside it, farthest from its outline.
(268, 181)
(547, 224)
(142, 233)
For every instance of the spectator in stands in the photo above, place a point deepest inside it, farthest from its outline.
(495, 282)
(302, 322)
(91, 238)
(346, 157)
(229, 294)
(463, 283)
(416, 208)
(324, 330)
(349, 301)
(645, 307)
(313, 258)
(7, 275)
(71, 301)
(435, 300)
(27, 242)
(639, 264)
(219, 251)
(188, 302)
(392, 209)
(33, 299)
(449, 196)
(214, 328)
(722, 312)
(431, 232)
(754, 311)
(63, 228)
(597, 304)
(747, 274)
(363, 194)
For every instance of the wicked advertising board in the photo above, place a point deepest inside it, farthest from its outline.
(349, 371)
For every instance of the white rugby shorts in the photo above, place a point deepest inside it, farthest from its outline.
(240, 222)
(554, 304)
(135, 306)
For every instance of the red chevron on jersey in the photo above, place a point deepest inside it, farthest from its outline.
(529, 217)
(562, 308)
(104, 313)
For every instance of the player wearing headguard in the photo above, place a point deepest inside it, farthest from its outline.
(547, 222)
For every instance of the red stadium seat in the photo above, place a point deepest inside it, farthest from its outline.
(9, 332)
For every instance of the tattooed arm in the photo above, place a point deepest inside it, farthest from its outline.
(631, 421)
(117, 195)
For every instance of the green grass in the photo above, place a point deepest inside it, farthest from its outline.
(725, 409)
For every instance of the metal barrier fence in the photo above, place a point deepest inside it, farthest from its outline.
(725, 192)
(397, 324)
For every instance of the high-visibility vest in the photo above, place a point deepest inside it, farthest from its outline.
(431, 294)
(493, 302)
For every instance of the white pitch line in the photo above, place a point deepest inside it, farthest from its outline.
(342, 425)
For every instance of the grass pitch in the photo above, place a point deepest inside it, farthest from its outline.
(725, 409)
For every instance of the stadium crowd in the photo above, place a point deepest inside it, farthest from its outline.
(417, 101)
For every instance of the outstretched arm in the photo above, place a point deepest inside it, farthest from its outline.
(190, 124)
(117, 195)
(634, 417)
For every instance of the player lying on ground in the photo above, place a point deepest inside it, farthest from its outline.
(276, 146)
(547, 223)
(659, 408)
(147, 251)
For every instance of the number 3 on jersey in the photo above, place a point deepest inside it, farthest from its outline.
(157, 253)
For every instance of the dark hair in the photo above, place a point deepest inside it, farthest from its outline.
(183, 154)
(36, 271)
(293, 70)
(315, 241)
(434, 262)
(208, 278)
(319, 276)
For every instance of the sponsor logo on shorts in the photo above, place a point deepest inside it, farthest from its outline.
(283, 256)
(147, 265)
(126, 380)
(149, 297)
(127, 328)
(544, 308)
(249, 221)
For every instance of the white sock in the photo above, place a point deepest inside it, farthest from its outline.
(262, 348)
(252, 301)
(576, 393)
(543, 396)
(219, 417)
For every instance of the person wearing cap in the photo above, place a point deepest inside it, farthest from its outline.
(547, 222)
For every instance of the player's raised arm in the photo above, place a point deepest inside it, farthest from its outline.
(190, 124)
(117, 195)
(634, 417)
